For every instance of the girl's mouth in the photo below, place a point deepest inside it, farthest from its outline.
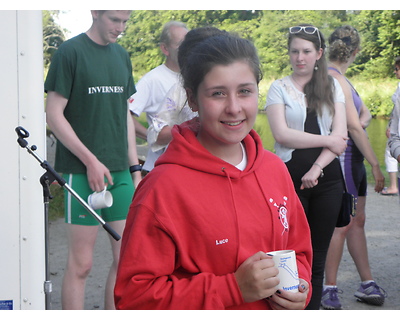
(232, 124)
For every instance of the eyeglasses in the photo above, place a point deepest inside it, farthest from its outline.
(306, 29)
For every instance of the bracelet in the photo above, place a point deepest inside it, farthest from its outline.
(322, 170)
(134, 168)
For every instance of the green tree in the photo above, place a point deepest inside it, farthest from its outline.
(272, 34)
(268, 29)
(53, 36)
(380, 34)
(144, 27)
(389, 39)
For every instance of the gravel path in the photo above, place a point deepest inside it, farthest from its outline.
(382, 228)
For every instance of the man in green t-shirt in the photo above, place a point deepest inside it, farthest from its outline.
(88, 85)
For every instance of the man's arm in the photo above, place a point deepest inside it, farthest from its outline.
(165, 136)
(59, 125)
(132, 151)
(140, 130)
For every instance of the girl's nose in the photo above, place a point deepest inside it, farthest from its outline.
(233, 105)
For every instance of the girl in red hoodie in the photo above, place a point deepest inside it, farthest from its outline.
(201, 222)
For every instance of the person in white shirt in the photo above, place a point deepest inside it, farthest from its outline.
(391, 162)
(154, 85)
(174, 108)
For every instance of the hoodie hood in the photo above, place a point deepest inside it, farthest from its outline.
(185, 147)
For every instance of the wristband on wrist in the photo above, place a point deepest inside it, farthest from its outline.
(322, 170)
(134, 168)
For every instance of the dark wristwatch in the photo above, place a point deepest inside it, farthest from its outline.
(134, 168)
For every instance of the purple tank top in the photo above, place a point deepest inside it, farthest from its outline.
(352, 159)
(354, 93)
(356, 98)
(352, 150)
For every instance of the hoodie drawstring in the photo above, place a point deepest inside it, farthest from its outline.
(236, 217)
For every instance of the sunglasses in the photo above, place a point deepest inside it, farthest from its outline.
(306, 29)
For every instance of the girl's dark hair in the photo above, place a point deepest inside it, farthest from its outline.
(319, 90)
(343, 42)
(222, 49)
(193, 38)
(397, 62)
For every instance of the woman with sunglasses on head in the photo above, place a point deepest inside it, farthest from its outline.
(344, 44)
(308, 121)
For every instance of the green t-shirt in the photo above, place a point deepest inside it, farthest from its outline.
(97, 81)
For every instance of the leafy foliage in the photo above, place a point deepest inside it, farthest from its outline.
(380, 31)
(268, 29)
(380, 34)
(144, 27)
(53, 36)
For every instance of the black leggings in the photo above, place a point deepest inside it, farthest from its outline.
(321, 205)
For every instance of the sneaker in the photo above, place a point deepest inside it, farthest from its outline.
(371, 293)
(330, 299)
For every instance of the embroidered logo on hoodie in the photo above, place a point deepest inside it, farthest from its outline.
(282, 211)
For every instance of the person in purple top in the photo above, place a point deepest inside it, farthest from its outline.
(344, 44)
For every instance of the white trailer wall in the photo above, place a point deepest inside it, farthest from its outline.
(22, 231)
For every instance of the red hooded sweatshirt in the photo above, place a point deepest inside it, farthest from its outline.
(195, 219)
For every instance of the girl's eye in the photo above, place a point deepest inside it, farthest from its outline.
(217, 93)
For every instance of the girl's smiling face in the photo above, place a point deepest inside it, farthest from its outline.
(227, 103)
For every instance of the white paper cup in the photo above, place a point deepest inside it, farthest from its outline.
(100, 200)
(285, 261)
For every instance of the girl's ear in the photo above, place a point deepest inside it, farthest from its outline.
(320, 53)
(191, 100)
